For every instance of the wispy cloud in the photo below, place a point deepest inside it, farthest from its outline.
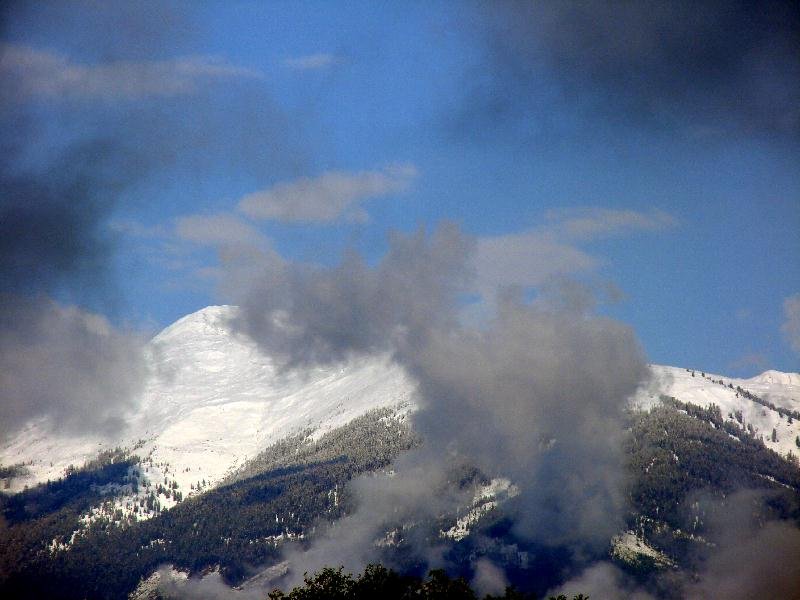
(332, 196)
(791, 322)
(592, 222)
(534, 257)
(312, 62)
(749, 361)
(29, 72)
(527, 259)
(219, 230)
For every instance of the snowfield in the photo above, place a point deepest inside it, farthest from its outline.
(213, 400)
(781, 389)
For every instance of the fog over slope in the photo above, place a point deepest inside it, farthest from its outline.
(211, 401)
(214, 398)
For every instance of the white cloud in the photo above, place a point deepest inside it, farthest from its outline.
(534, 257)
(311, 62)
(332, 196)
(526, 260)
(218, 230)
(587, 223)
(791, 323)
(28, 72)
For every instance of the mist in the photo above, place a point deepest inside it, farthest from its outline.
(754, 550)
(536, 394)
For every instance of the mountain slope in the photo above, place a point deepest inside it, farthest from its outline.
(213, 401)
(782, 390)
(273, 453)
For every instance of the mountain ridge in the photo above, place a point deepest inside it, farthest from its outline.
(213, 400)
(231, 462)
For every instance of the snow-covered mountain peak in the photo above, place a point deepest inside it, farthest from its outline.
(208, 321)
(761, 403)
(214, 399)
(777, 377)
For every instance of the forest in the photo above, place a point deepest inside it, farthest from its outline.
(674, 452)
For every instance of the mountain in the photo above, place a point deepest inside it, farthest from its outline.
(764, 402)
(213, 401)
(245, 457)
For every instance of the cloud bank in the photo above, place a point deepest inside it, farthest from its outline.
(30, 73)
(731, 68)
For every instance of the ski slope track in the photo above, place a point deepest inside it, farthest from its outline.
(213, 400)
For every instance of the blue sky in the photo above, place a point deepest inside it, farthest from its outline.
(344, 121)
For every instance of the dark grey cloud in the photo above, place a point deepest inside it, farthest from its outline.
(99, 103)
(748, 553)
(62, 363)
(51, 216)
(303, 314)
(207, 587)
(489, 578)
(417, 490)
(602, 580)
(66, 365)
(725, 67)
(536, 394)
(754, 561)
